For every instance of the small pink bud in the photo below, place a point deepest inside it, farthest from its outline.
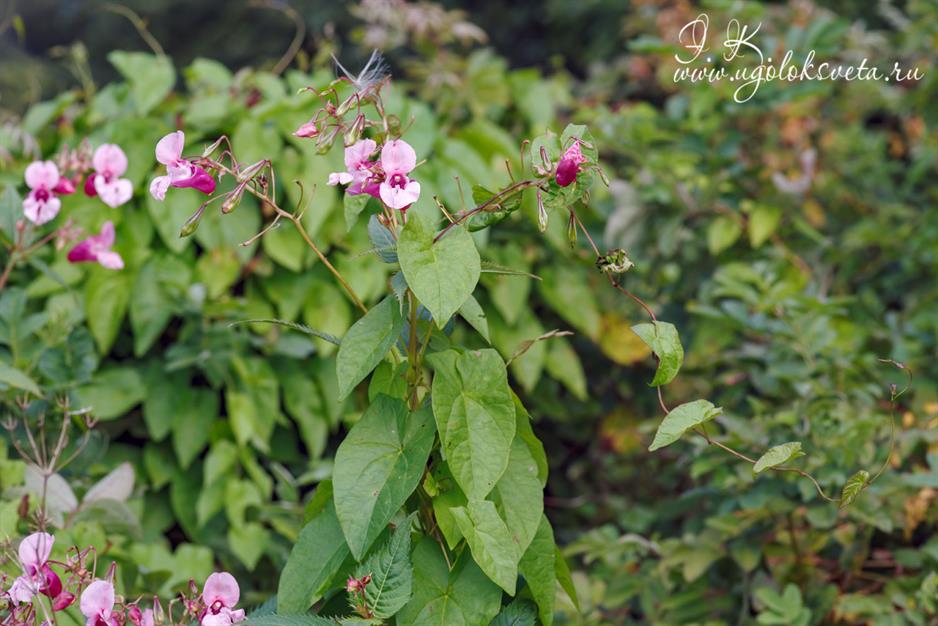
(308, 129)
(352, 585)
(63, 601)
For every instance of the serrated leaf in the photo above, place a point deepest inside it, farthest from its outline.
(377, 467)
(392, 576)
(316, 556)
(776, 455)
(852, 488)
(681, 419)
(519, 613)
(475, 416)
(490, 541)
(366, 343)
(288, 620)
(441, 274)
(665, 342)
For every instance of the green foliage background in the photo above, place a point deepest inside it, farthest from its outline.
(784, 303)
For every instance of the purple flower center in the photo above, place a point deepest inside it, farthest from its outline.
(398, 180)
(216, 607)
(42, 194)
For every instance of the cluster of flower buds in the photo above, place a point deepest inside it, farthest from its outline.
(97, 598)
(355, 587)
(48, 180)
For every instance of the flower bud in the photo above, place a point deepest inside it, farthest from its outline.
(541, 212)
(354, 131)
(571, 230)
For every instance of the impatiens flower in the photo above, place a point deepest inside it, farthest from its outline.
(180, 171)
(308, 129)
(569, 165)
(398, 159)
(34, 554)
(63, 601)
(97, 604)
(221, 594)
(360, 171)
(109, 163)
(41, 205)
(97, 248)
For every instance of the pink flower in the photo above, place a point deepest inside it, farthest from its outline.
(360, 171)
(41, 205)
(109, 163)
(34, 554)
(308, 129)
(398, 159)
(180, 171)
(63, 601)
(98, 248)
(569, 165)
(221, 594)
(97, 604)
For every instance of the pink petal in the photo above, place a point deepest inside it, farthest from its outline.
(200, 180)
(397, 157)
(63, 601)
(114, 193)
(359, 152)
(111, 260)
(64, 187)
(169, 148)
(110, 159)
(147, 619)
(211, 619)
(42, 174)
(22, 590)
(97, 600)
(339, 178)
(221, 587)
(236, 616)
(35, 549)
(52, 585)
(400, 198)
(159, 186)
(83, 251)
(106, 237)
(89, 185)
(38, 211)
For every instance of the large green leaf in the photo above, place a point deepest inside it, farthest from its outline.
(17, 378)
(443, 274)
(776, 455)
(492, 544)
(682, 418)
(107, 295)
(377, 467)
(518, 495)
(664, 341)
(113, 392)
(475, 416)
(463, 596)
(538, 566)
(366, 343)
(315, 558)
(279, 619)
(518, 613)
(392, 575)
(151, 77)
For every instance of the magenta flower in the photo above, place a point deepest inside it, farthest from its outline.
(97, 248)
(109, 163)
(221, 594)
(180, 172)
(41, 205)
(569, 165)
(360, 173)
(398, 159)
(97, 604)
(34, 554)
(308, 129)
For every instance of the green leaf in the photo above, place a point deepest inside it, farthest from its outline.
(112, 392)
(377, 467)
(316, 556)
(18, 379)
(518, 613)
(195, 412)
(160, 280)
(288, 620)
(151, 77)
(353, 204)
(852, 488)
(472, 312)
(762, 223)
(518, 495)
(475, 416)
(248, 542)
(564, 364)
(11, 208)
(664, 341)
(682, 418)
(366, 344)
(722, 233)
(107, 295)
(776, 455)
(462, 596)
(443, 274)
(539, 568)
(392, 575)
(492, 545)
(383, 241)
(525, 432)
(562, 570)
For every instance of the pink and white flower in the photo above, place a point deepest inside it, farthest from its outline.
(41, 204)
(97, 604)
(220, 594)
(569, 165)
(180, 172)
(360, 173)
(97, 248)
(109, 164)
(398, 159)
(34, 554)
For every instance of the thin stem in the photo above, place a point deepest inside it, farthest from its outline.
(505, 193)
